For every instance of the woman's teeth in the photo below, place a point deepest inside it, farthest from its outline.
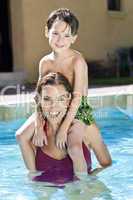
(54, 114)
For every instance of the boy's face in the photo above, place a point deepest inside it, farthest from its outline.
(60, 37)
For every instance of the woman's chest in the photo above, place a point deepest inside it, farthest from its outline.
(54, 152)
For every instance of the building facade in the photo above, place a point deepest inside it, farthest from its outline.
(104, 26)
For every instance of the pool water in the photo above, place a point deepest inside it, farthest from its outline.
(113, 183)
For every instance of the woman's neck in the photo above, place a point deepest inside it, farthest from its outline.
(53, 126)
(51, 132)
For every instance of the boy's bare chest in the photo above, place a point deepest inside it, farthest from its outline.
(67, 70)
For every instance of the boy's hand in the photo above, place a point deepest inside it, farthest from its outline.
(61, 138)
(39, 137)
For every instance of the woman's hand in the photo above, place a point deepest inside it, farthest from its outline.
(33, 174)
(39, 137)
(95, 171)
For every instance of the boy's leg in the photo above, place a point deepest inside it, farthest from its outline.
(24, 135)
(75, 150)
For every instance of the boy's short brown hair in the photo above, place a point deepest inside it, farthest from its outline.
(65, 15)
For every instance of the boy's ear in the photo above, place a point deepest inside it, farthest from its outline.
(74, 38)
(46, 31)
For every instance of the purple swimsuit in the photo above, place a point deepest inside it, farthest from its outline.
(57, 171)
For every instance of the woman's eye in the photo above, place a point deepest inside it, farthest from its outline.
(46, 99)
(62, 99)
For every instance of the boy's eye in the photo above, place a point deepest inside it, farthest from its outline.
(55, 33)
(67, 36)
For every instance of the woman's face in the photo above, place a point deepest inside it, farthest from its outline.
(54, 102)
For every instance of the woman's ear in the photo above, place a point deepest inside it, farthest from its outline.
(46, 31)
(69, 100)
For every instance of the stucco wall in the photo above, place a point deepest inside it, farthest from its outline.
(99, 30)
(17, 29)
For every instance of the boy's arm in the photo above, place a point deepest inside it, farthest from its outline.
(39, 137)
(80, 80)
(41, 68)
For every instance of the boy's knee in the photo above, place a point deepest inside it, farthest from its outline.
(77, 124)
(75, 138)
(77, 131)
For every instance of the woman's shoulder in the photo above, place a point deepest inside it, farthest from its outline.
(28, 126)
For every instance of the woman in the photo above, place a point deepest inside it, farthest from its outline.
(54, 94)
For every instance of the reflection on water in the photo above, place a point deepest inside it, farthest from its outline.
(87, 190)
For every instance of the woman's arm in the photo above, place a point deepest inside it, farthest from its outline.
(95, 141)
(80, 69)
(24, 136)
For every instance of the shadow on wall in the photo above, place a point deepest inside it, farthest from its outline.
(118, 63)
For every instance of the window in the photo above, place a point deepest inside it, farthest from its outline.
(114, 5)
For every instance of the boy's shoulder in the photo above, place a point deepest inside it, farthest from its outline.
(78, 58)
(77, 53)
(46, 59)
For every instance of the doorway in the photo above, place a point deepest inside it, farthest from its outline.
(6, 64)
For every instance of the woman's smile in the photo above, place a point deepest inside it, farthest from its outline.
(53, 114)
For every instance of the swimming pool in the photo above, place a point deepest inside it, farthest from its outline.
(115, 119)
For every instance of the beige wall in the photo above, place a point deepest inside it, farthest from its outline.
(120, 31)
(16, 13)
(99, 30)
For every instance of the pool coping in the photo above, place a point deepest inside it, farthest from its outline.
(92, 92)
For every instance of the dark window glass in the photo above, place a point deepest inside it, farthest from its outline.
(114, 5)
(5, 37)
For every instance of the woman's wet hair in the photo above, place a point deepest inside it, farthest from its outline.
(52, 79)
(64, 15)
